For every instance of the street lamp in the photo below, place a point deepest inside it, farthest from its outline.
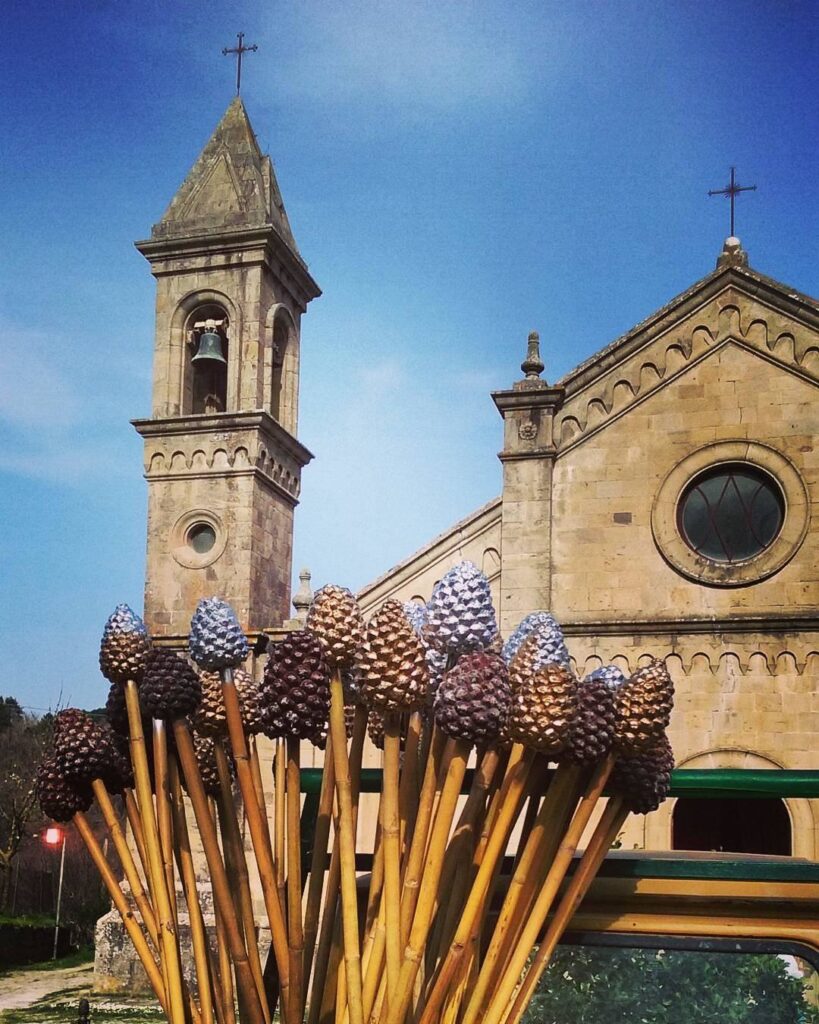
(56, 837)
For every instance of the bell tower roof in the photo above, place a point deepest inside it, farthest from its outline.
(232, 186)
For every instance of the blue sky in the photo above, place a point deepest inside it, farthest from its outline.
(456, 174)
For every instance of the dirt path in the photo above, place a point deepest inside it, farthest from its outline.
(22, 988)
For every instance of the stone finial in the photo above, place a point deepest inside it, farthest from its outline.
(533, 365)
(732, 255)
(303, 597)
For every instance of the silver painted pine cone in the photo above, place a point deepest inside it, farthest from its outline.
(216, 639)
(460, 613)
(124, 646)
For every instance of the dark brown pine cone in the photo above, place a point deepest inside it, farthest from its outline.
(472, 702)
(645, 779)
(169, 688)
(542, 709)
(210, 718)
(591, 733)
(392, 662)
(375, 727)
(250, 701)
(60, 798)
(295, 690)
(119, 774)
(643, 705)
(206, 759)
(335, 618)
(124, 647)
(115, 710)
(82, 749)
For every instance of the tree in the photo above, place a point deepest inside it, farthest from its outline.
(22, 741)
(587, 985)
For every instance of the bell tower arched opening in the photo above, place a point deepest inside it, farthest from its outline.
(281, 340)
(206, 379)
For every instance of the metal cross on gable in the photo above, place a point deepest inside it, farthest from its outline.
(732, 190)
(239, 49)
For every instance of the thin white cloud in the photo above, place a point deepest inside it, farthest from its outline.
(33, 389)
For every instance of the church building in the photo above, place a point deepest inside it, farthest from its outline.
(657, 499)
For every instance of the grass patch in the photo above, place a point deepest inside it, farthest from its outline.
(83, 955)
(28, 920)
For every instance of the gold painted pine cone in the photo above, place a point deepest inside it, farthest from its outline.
(542, 709)
(335, 618)
(392, 662)
(210, 719)
(643, 705)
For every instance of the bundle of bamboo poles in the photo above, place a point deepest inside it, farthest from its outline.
(470, 872)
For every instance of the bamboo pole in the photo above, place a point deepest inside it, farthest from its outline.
(135, 933)
(168, 938)
(562, 859)
(280, 820)
(439, 833)
(111, 819)
(391, 840)
(552, 818)
(319, 861)
(207, 986)
(593, 856)
(261, 846)
(218, 876)
(224, 974)
(294, 892)
(135, 824)
(234, 852)
(346, 841)
(258, 784)
(163, 810)
(408, 791)
(510, 794)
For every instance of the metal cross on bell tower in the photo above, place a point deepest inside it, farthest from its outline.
(239, 49)
(732, 190)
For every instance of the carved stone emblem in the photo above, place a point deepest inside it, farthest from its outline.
(527, 430)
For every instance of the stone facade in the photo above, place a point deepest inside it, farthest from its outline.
(593, 470)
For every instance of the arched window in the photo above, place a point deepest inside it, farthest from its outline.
(208, 333)
(732, 826)
(281, 337)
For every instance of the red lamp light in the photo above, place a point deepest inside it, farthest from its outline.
(53, 836)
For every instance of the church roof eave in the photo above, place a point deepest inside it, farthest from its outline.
(797, 304)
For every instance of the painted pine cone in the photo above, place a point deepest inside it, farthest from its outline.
(119, 773)
(591, 733)
(392, 661)
(375, 727)
(203, 747)
(116, 711)
(216, 639)
(610, 674)
(295, 691)
(552, 644)
(460, 613)
(335, 618)
(542, 709)
(124, 646)
(60, 798)
(210, 718)
(250, 701)
(643, 704)
(645, 779)
(82, 749)
(170, 688)
(472, 702)
(541, 647)
(417, 614)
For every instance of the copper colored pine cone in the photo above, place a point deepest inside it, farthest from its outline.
(124, 647)
(392, 661)
(542, 709)
(645, 779)
(472, 702)
(248, 691)
(170, 688)
(643, 704)
(335, 618)
(60, 798)
(82, 748)
(204, 748)
(591, 733)
(210, 718)
(295, 690)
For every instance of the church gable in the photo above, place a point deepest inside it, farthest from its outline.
(617, 549)
(733, 304)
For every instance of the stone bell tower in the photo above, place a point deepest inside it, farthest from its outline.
(222, 459)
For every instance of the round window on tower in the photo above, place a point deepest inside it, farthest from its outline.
(731, 513)
(198, 538)
(201, 538)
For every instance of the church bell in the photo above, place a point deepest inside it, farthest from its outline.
(210, 348)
